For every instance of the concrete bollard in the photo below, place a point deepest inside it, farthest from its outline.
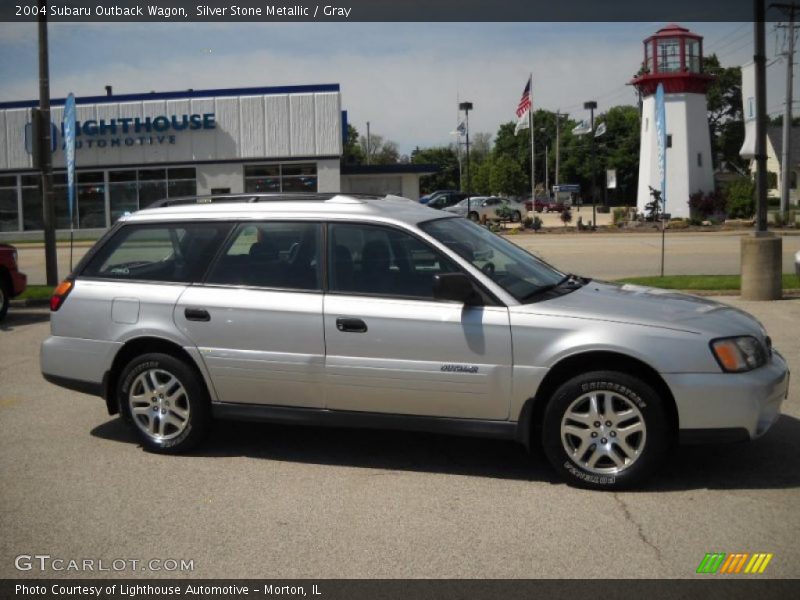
(761, 267)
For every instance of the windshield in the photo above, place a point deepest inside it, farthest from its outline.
(519, 273)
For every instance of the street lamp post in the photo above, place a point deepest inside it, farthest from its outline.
(466, 107)
(590, 106)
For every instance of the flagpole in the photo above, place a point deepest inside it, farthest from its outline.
(530, 126)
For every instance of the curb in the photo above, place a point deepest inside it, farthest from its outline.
(30, 302)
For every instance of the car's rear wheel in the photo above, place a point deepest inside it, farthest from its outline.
(516, 217)
(473, 216)
(605, 430)
(166, 401)
(5, 298)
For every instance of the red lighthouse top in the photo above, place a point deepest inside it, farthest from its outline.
(673, 56)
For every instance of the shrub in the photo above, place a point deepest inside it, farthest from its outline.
(566, 216)
(536, 224)
(740, 201)
(705, 205)
(504, 213)
(619, 215)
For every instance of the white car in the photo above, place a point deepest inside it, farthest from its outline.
(487, 206)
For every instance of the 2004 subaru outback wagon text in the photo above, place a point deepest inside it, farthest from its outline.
(378, 312)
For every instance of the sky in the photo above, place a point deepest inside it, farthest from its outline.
(404, 78)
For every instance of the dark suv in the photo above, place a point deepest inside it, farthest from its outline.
(12, 282)
(445, 199)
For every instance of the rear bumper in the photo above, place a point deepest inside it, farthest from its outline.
(19, 282)
(76, 363)
(729, 406)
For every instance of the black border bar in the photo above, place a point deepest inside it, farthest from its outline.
(709, 587)
(384, 11)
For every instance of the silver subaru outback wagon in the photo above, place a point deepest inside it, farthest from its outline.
(376, 312)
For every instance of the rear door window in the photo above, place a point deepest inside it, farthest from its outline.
(179, 252)
(283, 255)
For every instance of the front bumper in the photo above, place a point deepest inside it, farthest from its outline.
(748, 402)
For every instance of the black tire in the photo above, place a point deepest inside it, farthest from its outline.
(473, 216)
(615, 393)
(194, 402)
(516, 217)
(5, 297)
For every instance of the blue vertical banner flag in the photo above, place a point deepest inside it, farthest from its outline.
(661, 143)
(69, 153)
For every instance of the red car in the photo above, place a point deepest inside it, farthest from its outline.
(544, 205)
(12, 282)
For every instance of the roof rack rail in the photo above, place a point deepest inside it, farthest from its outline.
(256, 197)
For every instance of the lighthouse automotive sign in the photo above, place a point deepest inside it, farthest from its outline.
(133, 131)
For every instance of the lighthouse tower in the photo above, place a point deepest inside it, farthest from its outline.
(673, 56)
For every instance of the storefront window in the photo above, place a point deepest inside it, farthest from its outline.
(91, 201)
(181, 182)
(291, 177)
(9, 210)
(32, 218)
(123, 193)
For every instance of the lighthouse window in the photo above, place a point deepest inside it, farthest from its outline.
(669, 56)
(693, 55)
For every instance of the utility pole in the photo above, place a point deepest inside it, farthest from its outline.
(786, 170)
(466, 107)
(591, 105)
(761, 253)
(45, 155)
(369, 148)
(558, 149)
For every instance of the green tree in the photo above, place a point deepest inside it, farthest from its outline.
(480, 179)
(352, 154)
(507, 177)
(444, 157)
(725, 117)
(381, 151)
(618, 149)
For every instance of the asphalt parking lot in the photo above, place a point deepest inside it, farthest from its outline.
(277, 501)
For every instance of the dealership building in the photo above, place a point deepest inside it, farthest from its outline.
(134, 149)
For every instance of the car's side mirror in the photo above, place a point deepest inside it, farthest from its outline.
(456, 287)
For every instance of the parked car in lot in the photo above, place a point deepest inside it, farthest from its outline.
(544, 205)
(433, 195)
(12, 281)
(487, 206)
(443, 200)
(373, 312)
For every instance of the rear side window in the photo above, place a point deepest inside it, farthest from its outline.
(272, 255)
(179, 252)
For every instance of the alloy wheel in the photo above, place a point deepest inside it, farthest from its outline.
(603, 432)
(159, 404)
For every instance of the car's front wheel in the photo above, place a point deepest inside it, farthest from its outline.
(516, 217)
(473, 216)
(166, 401)
(605, 430)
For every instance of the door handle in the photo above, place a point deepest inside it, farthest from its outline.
(351, 325)
(197, 314)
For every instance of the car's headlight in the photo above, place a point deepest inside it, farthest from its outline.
(738, 354)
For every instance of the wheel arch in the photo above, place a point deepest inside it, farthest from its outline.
(135, 347)
(531, 416)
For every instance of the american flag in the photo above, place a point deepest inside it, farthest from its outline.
(525, 102)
